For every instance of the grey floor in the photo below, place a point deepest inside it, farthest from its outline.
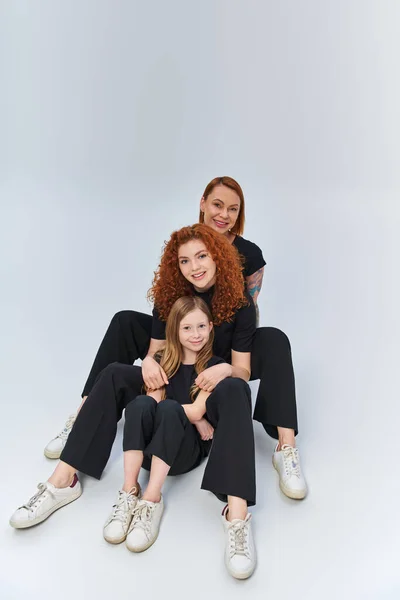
(341, 542)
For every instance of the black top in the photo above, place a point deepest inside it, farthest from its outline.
(236, 335)
(253, 258)
(179, 385)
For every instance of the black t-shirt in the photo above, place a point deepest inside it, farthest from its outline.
(253, 258)
(179, 385)
(235, 335)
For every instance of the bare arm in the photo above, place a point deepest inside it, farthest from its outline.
(241, 364)
(195, 411)
(254, 284)
(155, 346)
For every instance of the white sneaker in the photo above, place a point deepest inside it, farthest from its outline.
(145, 525)
(291, 479)
(117, 524)
(56, 445)
(240, 551)
(44, 503)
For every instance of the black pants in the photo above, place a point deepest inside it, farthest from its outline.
(163, 430)
(128, 338)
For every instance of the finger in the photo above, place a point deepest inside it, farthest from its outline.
(164, 377)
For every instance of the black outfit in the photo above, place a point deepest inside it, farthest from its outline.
(128, 338)
(253, 258)
(238, 334)
(163, 430)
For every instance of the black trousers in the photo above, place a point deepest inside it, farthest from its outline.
(128, 337)
(163, 430)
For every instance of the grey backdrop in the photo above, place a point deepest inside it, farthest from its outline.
(114, 116)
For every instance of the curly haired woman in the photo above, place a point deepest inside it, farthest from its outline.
(203, 265)
(129, 334)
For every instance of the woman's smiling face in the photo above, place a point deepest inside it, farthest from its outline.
(197, 265)
(221, 208)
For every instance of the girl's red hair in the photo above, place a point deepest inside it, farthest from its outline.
(169, 284)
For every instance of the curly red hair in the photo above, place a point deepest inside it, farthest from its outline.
(169, 284)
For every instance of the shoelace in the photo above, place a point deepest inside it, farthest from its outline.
(32, 503)
(121, 508)
(67, 428)
(142, 515)
(238, 543)
(291, 461)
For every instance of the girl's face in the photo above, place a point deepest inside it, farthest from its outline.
(221, 208)
(194, 330)
(196, 265)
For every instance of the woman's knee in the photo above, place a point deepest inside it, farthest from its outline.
(232, 385)
(114, 368)
(271, 336)
(123, 317)
(231, 390)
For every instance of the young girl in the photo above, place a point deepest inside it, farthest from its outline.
(131, 334)
(165, 431)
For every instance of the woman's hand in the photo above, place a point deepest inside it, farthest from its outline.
(153, 375)
(204, 428)
(209, 378)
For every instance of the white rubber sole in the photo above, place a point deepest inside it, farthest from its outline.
(115, 541)
(143, 548)
(293, 494)
(52, 455)
(245, 574)
(31, 523)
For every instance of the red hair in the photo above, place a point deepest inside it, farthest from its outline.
(169, 284)
(232, 184)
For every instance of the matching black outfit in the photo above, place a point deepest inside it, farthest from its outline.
(162, 429)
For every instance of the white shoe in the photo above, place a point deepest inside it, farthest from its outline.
(117, 525)
(56, 445)
(240, 550)
(46, 500)
(291, 479)
(145, 525)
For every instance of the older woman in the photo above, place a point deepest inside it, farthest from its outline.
(196, 262)
(128, 338)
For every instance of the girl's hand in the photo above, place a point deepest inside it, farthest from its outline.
(208, 379)
(204, 428)
(153, 375)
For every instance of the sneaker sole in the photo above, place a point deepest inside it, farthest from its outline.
(244, 575)
(138, 550)
(293, 494)
(26, 524)
(51, 455)
(114, 541)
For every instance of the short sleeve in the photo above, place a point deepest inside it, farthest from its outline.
(215, 360)
(245, 328)
(254, 259)
(157, 326)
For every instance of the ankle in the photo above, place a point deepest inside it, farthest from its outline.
(150, 496)
(63, 481)
(127, 487)
(237, 508)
